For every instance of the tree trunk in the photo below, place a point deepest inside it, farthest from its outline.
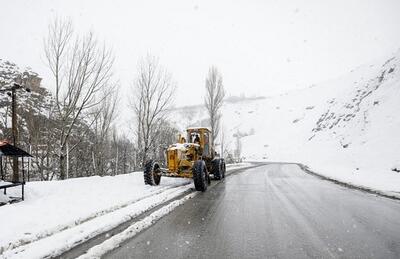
(116, 163)
(67, 161)
(61, 165)
(94, 162)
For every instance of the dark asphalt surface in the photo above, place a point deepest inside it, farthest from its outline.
(273, 211)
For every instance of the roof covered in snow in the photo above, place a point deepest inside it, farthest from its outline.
(7, 149)
(198, 128)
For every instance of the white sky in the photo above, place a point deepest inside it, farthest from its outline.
(261, 47)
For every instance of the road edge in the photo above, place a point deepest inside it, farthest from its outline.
(306, 169)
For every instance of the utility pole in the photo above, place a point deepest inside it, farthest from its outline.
(14, 126)
(15, 176)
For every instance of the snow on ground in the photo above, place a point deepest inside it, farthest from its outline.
(58, 215)
(346, 129)
(62, 241)
(51, 207)
(238, 165)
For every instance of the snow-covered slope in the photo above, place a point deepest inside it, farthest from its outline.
(35, 103)
(347, 128)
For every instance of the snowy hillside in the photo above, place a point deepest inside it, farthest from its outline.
(346, 129)
(30, 104)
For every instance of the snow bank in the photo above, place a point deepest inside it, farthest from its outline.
(238, 165)
(51, 207)
(62, 241)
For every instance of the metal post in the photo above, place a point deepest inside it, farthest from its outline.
(15, 177)
(29, 161)
(23, 171)
(1, 168)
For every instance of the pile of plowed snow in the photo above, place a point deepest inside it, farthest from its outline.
(69, 210)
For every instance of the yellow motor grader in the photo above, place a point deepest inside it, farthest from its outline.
(192, 157)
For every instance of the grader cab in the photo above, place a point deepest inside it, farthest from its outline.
(192, 157)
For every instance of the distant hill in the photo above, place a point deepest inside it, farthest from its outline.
(30, 105)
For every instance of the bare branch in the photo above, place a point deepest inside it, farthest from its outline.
(82, 70)
(153, 94)
(215, 94)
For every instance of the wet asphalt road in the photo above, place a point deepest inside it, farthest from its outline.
(273, 211)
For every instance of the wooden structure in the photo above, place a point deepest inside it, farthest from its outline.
(8, 150)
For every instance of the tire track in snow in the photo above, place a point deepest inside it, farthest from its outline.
(49, 232)
(63, 241)
(133, 230)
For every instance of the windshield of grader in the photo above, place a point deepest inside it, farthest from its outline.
(201, 137)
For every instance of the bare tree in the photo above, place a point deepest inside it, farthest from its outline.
(81, 71)
(238, 146)
(215, 94)
(166, 135)
(153, 92)
(123, 153)
(223, 142)
(103, 118)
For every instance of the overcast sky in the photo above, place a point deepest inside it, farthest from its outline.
(261, 47)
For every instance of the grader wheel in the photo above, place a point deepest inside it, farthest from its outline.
(217, 169)
(223, 167)
(152, 173)
(200, 177)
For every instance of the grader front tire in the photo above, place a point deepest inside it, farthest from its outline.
(152, 173)
(200, 176)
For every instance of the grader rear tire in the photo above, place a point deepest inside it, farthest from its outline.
(223, 167)
(200, 176)
(216, 166)
(152, 173)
